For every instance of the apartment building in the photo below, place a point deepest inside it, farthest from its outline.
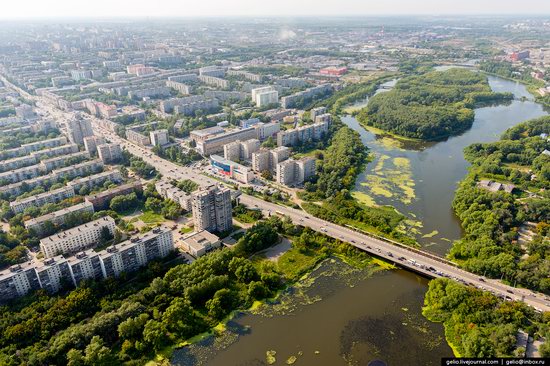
(109, 153)
(247, 75)
(132, 254)
(317, 112)
(180, 87)
(137, 138)
(79, 170)
(39, 200)
(260, 160)
(55, 151)
(240, 150)
(265, 98)
(92, 142)
(312, 132)
(31, 147)
(212, 209)
(214, 81)
(17, 281)
(51, 273)
(85, 265)
(16, 163)
(57, 162)
(159, 137)
(266, 130)
(78, 238)
(168, 191)
(21, 174)
(96, 180)
(212, 71)
(57, 217)
(308, 94)
(292, 171)
(78, 128)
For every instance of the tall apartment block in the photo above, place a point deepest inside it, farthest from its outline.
(212, 209)
(159, 137)
(295, 171)
(92, 142)
(109, 153)
(78, 128)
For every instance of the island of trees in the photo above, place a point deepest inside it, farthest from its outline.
(432, 105)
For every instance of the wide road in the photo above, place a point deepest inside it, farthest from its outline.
(416, 260)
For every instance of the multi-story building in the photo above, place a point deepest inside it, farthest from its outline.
(38, 200)
(85, 265)
(265, 98)
(79, 170)
(180, 87)
(260, 160)
(212, 71)
(137, 137)
(212, 209)
(96, 179)
(109, 153)
(214, 81)
(266, 130)
(308, 94)
(57, 217)
(231, 169)
(189, 109)
(278, 155)
(295, 171)
(312, 132)
(50, 164)
(247, 75)
(317, 112)
(168, 191)
(17, 281)
(238, 150)
(214, 144)
(159, 137)
(132, 254)
(55, 151)
(18, 175)
(102, 199)
(51, 273)
(155, 92)
(78, 128)
(78, 238)
(206, 133)
(183, 78)
(92, 142)
(16, 163)
(31, 147)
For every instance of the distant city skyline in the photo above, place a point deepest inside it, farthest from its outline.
(194, 8)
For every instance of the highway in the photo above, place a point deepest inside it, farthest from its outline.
(413, 259)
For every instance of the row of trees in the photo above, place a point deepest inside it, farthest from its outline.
(430, 106)
(491, 219)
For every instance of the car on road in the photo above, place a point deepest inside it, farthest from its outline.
(481, 279)
(510, 291)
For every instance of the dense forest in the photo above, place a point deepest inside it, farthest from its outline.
(478, 324)
(429, 106)
(491, 220)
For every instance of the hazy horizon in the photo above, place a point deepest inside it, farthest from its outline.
(52, 9)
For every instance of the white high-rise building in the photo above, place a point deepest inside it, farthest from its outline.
(159, 137)
(78, 128)
(212, 209)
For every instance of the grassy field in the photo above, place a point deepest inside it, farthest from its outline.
(149, 217)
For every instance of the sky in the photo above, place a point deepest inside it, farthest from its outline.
(15, 9)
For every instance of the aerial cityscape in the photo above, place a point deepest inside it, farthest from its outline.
(238, 185)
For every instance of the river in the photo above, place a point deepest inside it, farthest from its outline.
(419, 179)
(345, 316)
